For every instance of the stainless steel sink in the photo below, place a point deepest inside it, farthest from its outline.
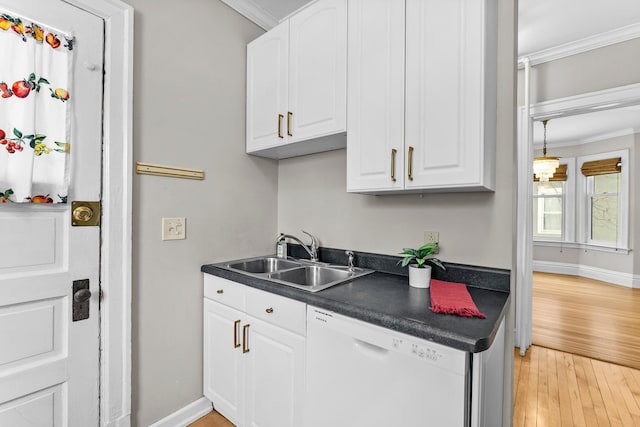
(302, 274)
(311, 275)
(263, 265)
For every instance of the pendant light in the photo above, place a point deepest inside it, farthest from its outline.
(544, 167)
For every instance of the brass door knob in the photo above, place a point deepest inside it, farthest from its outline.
(85, 213)
(82, 214)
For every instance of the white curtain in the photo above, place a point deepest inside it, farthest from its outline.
(35, 69)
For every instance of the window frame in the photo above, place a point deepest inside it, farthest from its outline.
(584, 211)
(568, 206)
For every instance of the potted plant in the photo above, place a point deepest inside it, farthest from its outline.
(416, 259)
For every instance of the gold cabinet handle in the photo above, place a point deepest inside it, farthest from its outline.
(245, 338)
(236, 344)
(280, 117)
(269, 310)
(393, 164)
(410, 164)
(289, 115)
(220, 291)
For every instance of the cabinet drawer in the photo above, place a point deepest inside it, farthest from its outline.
(277, 310)
(224, 291)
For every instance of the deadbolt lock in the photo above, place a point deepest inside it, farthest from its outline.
(85, 214)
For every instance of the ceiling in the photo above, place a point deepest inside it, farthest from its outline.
(588, 127)
(544, 24)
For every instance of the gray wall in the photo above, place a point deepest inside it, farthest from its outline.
(623, 263)
(598, 69)
(189, 111)
(635, 225)
(475, 228)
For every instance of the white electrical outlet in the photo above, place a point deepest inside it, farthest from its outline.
(431, 237)
(174, 228)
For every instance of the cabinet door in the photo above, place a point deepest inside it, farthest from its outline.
(267, 88)
(318, 70)
(375, 119)
(224, 375)
(275, 376)
(448, 71)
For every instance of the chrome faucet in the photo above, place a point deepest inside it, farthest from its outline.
(312, 249)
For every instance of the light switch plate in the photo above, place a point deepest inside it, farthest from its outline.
(174, 228)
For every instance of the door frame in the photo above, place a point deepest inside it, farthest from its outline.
(527, 114)
(115, 250)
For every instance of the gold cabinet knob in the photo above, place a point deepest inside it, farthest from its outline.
(82, 214)
(269, 310)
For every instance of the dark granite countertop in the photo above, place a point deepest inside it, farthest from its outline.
(386, 299)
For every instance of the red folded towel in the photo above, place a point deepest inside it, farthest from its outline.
(453, 298)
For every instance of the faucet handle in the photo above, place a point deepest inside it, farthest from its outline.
(314, 246)
(314, 241)
(350, 259)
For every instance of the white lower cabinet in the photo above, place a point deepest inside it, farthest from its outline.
(254, 355)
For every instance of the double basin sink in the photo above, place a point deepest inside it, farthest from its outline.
(302, 274)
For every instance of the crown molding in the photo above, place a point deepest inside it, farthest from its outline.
(250, 10)
(583, 45)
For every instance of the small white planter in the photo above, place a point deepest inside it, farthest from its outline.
(419, 277)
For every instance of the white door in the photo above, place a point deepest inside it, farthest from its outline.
(444, 87)
(267, 88)
(49, 365)
(375, 118)
(223, 361)
(274, 376)
(318, 70)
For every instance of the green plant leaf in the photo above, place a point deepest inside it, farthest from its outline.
(17, 133)
(437, 262)
(43, 80)
(32, 77)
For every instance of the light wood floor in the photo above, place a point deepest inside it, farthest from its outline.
(554, 388)
(212, 419)
(587, 317)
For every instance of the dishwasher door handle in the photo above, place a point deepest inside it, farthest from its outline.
(370, 350)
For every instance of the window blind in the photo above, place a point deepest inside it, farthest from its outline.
(602, 167)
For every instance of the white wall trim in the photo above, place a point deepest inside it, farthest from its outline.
(615, 277)
(253, 12)
(583, 45)
(577, 245)
(578, 104)
(186, 415)
(115, 266)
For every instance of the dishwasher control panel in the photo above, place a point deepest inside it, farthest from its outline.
(379, 339)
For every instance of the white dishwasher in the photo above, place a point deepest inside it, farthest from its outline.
(362, 375)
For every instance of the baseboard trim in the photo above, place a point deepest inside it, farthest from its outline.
(617, 278)
(186, 415)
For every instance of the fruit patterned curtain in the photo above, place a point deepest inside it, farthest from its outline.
(35, 74)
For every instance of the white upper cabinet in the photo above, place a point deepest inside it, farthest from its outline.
(267, 87)
(376, 95)
(296, 83)
(435, 106)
